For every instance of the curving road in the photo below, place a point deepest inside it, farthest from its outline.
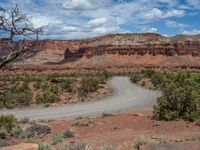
(125, 96)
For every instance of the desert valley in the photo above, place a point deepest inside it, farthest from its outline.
(119, 91)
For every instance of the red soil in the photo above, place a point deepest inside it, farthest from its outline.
(123, 129)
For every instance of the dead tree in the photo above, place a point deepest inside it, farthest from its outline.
(17, 38)
(20, 36)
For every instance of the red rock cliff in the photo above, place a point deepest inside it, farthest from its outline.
(121, 44)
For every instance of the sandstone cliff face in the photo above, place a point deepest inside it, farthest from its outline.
(187, 48)
(121, 44)
(137, 44)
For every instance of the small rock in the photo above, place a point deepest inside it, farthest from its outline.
(138, 115)
(154, 137)
(72, 141)
(156, 124)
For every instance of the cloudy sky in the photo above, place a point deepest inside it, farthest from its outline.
(77, 19)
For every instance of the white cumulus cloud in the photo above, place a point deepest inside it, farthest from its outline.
(173, 13)
(174, 24)
(154, 14)
(97, 22)
(192, 32)
(79, 5)
(150, 30)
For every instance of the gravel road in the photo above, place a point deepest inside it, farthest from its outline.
(125, 96)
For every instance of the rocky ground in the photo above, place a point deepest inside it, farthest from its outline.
(126, 131)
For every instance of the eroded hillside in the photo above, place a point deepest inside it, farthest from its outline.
(121, 50)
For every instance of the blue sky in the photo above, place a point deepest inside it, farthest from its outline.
(78, 19)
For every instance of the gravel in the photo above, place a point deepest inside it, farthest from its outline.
(126, 96)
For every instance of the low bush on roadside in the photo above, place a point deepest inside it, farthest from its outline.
(197, 122)
(107, 147)
(47, 97)
(58, 138)
(3, 134)
(139, 142)
(48, 88)
(67, 85)
(16, 132)
(36, 129)
(106, 74)
(9, 127)
(106, 115)
(90, 84)
(68, 134)
(37, 85)
(8, 123)
(16, 98)
(43, 146)
(148, 73)
(157, 80)
(79, 146)
(135, 77)
(4, 143)
(181, 96)
(53, 88)
(24, 98)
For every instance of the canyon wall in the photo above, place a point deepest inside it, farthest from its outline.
(186, 48)
(118, 44)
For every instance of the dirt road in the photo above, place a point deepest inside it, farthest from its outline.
(125, 96)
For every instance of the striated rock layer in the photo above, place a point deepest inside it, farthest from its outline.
(130, 46)
(124, 44)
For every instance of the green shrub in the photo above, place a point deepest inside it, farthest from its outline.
(148, 73)
(139, 142)
(44, 147)
(79, 146)
(157, 79)
(197, 122)
(181, 97)
(67, 85)
(176, 103)
(68, 134)
(4, 143)
(143, 83)
(58, 138)
(135, 78)
(107, 147)
(24, 98)
(3, 134)
(47, 97)
(37, 85)
(106, 74)
(89, 84)
(16, 132)
(35, 130)
(53, 88)
(8, 122)
(16, 97)
(22, 88)
(50, 87)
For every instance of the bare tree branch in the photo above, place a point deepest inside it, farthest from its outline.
(20, 38)
(16, 26)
